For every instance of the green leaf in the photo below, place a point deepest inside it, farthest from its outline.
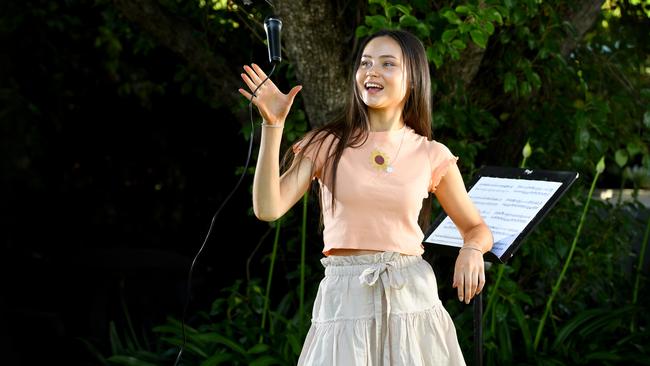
(448, 35)
(408, 21)
(93, 350)
(583, 137)
(435, 56)
(217, 359)
(646, 119)
(116, 343)
(451, 17)
(464, 28)
(522, 297)
(295, 342)
(534, 79)
(458, 44)
(455, 55)
(493, 15)
(188, 346)
(390, 12)
(423, 29)
(218, 338)
(129, 361)
(633, 148)
(437, 59)
(489, 28)
(566, 332)
(404, 9)
(509, 82)
(462, 9)
(525, 88)
(479, 37)
(266, 360)
(377, 21)
(503, 335)
(361, 31)
(174, 328)
(518, 18)
(501, 311)
(259, 348)
(621, 157)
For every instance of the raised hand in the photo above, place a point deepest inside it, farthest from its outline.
(270, 101)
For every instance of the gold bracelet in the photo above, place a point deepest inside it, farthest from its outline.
(276, 125)
(471, 248)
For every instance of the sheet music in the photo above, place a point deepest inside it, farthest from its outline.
(507, 205)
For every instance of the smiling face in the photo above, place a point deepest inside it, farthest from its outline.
(381, 76)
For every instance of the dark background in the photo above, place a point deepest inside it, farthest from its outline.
(114, 157)
(107, 198)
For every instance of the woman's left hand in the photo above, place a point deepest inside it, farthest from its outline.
(469, 274)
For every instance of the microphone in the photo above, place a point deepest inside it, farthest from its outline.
(272, 27)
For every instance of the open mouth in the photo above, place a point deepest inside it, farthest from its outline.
(370, 86)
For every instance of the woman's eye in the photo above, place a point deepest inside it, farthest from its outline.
(388, 64)
(364, 63)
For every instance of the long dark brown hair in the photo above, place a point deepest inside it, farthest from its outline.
(351, 127)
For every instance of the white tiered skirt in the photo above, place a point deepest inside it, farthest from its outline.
(379, 309)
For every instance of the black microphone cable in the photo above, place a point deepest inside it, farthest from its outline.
(241, 178)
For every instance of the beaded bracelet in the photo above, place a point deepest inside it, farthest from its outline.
(277, 125)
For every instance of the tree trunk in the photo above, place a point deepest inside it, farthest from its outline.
(582, 19)
(316, 43)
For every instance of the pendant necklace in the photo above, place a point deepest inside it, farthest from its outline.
(381, 161)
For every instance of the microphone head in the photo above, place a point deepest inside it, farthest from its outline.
(272, 27)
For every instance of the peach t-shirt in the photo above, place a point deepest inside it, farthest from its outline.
(379, 190)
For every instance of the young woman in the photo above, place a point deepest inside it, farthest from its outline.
(377, 303)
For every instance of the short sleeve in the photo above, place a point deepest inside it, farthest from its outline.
(441, 159)
(315, 149)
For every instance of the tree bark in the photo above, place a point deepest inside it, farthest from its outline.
(316, 43)
(582, 19)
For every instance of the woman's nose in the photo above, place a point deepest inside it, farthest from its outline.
(371, 70)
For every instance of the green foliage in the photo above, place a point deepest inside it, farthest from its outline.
(227, 334)
(572, 107)
(566, 103)
(591, 315)
(445, 32)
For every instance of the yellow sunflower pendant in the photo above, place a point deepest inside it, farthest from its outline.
(380, 161)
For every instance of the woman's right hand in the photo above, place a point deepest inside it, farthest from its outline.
(273, 105)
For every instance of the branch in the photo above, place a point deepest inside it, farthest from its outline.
(180, 37)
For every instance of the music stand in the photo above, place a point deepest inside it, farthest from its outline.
(512, 202)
